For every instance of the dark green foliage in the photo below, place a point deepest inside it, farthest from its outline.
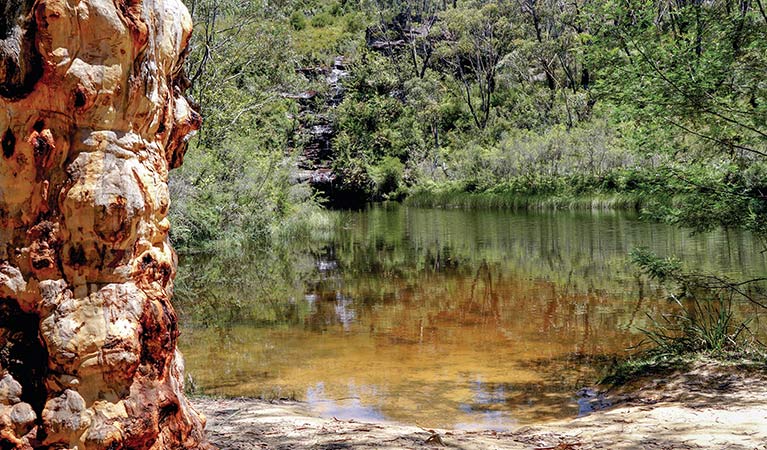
(661, 269)
(355, 22)
(353, 185)
(297, 20)
(648, 365)
(389, 177)
(322, 20)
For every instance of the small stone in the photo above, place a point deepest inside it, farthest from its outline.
(12, 282)
(23, 418)
(10, 390)
(63, 414)
(5, 417)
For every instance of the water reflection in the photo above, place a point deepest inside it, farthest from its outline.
(441, 318)
(349, 407)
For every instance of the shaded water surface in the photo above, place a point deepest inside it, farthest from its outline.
(444, 318)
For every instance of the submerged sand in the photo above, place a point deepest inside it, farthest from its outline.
(708, 407)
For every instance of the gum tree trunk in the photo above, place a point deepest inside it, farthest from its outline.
(92, 117)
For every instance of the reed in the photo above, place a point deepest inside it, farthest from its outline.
(455, 198)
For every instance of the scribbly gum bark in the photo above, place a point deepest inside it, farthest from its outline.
(92, 117)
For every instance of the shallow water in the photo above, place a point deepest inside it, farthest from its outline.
(443, 318)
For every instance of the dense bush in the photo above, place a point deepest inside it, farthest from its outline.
(298, 20)
(388, 177)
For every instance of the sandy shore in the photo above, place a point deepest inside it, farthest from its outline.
(709, 407)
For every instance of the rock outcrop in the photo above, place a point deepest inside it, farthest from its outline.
(314, 135)
(92, 117)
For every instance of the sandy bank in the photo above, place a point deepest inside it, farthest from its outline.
(708, 407)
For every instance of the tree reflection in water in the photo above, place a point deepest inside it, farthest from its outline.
(440, 317)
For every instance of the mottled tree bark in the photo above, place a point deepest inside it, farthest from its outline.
(92, 117)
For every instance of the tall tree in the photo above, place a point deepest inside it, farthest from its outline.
(475, 40)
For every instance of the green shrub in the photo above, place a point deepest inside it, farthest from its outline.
(353, 185)
(298, 20)
(706, 320)
(322, 20)
(355, 22)
(388, 176)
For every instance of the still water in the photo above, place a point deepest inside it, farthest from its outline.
(442, 318)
